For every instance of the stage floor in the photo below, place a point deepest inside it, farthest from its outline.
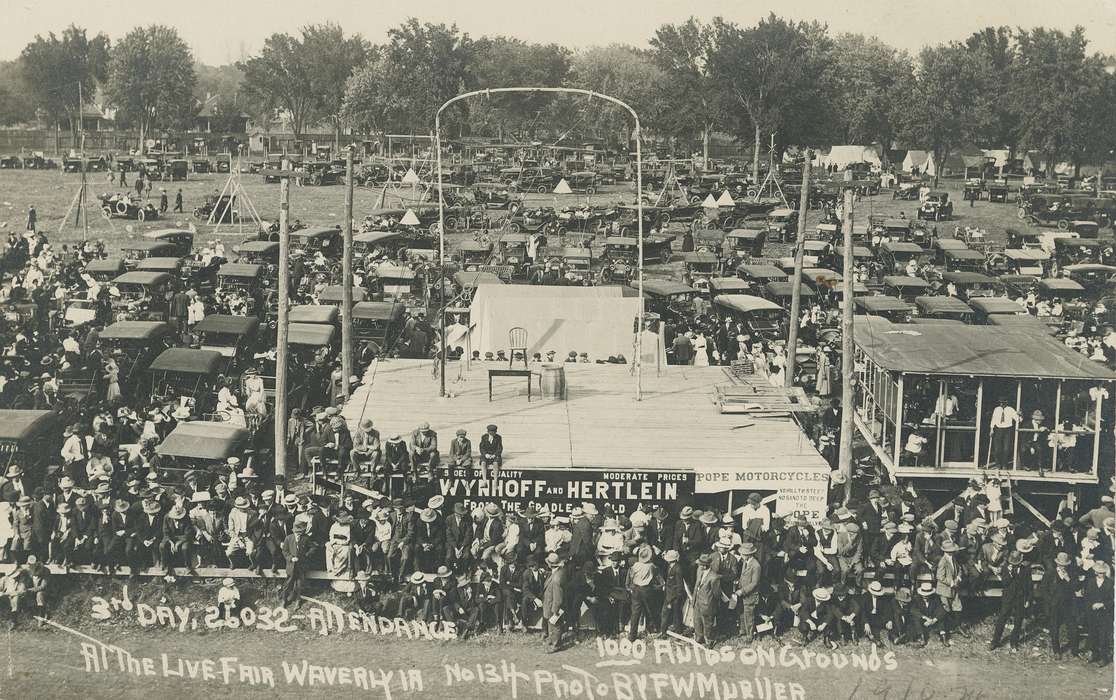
(600, 425)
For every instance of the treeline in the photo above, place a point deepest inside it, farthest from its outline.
(1035, 89)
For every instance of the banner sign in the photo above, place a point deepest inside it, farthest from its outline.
(803, 490)
(562, 490)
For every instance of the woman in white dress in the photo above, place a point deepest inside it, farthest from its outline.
(338, 548)
(701, 354)
(255, 401)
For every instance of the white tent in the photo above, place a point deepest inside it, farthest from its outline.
(915, 159)
(844, 156)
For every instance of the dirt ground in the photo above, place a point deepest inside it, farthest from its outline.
(55, 663)
(52, 193)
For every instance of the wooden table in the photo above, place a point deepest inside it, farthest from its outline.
(512, 373)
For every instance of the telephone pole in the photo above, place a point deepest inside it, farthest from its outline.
(796, 283)
(347, 280)
(847, 403)
(281, 327)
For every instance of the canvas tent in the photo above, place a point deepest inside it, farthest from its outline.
(915, 159)
(844, 156)
(599, 321)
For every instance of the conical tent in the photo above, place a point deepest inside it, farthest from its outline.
(562, 187)
(709, 202)
(411, 178)
(409, 219)
(725, 200)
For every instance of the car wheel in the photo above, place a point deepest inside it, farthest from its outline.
(122, 208)
(541, 189)
(141, 215)
(451, 224)
(590, 190)
(665, 218)
(107, 211)
(515, 227)
(1063, 224)
(694, 199)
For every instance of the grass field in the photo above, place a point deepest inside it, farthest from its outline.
(52, 192)
(51, 663)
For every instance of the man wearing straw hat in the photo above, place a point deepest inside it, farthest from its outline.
(554, 595)
(747, 590)
(178, 538)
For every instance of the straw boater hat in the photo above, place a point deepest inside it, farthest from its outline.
(926, 588)
(428, 515)
(241, 502)
(821, 594)
(63, 507)
(1024, 546)
(686, 514)
(436, 502)
(492, 510)
(708, 518)
(670, 555)
(120, 506)
(150, 507)
(589, 509)
(644, 555)
(876, 588)
(177, 512)
(748, 548)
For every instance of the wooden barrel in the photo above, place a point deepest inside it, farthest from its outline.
(553, 381)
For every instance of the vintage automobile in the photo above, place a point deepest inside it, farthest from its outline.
(1018, 285)
(700, 268)
(378, 323)
(973, 191)
(762, 318)
(619, 257)
(941, 246)
(944, 308)
(140, 295)
(378, 244)
(1085, 229)
(201, 444)
(782, 224)
(1092, 276)
(905, 287)
(186, 372)
(895, 255)
(963, 260)
(170, 265)
(468, 282)
(223, 208)
(906, 191)
(264, 253)
(322, 173)
(1018, 261)
(1072, 295)
(105, 269)
(748, 240)
(331, 295)
(181, 239)
(540, 181)
(729, 285)
(861, 255)
(583, 182)
(892, 230)
(984, 307)
(244, 278)
(998, 192)
(782, 292)
(755, 276)
(936, 207)
(176, 170)
(577, 264)
(396, 282)
(821, 279)
(511, 249)
(318, 314)
(134, 344)
(326, 240)
(969, 285)
(132, 252)
(124, 206)
(30, 438)
(473, 254)
(232, 336)
(671, 300)
(223, 163)
(893, 309)
(201, 165)
(1075, 251)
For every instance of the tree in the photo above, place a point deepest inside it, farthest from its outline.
(15, 106)
(774, 71)
(1060, 93)
(331, 57)
(944, 104)
(411, 76)
(866, 75)
(625, 73)
(56, 70)
(691, 97)
(505, 62)
(151, 80)
(996, 48)
(280, 77)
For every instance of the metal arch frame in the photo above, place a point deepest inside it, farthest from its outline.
(638, 359)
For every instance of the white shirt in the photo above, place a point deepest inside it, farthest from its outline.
(946, 406)
(760, 512)
(1004, 417)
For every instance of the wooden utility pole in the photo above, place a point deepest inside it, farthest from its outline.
(281, 327)
(347, 280)
(796, 283)
(847, 402)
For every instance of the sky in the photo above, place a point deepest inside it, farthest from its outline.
(223, 31)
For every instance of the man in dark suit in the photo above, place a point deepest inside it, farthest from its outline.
(554, 595)
(42, 523)
(877, 614)
(296, 549)
(178, 538)
(1060, 594)
(1098, 610)
(491, 451)
(429, 540)
(689, 540)
(707, 593)
(458, 535)
(147, 532)
(1017, 586)
(115, 528)
(674, 595)
(338, 444)
(747, 591)
(532, 533)
(531, 589)
(86, 529)
(14, 483)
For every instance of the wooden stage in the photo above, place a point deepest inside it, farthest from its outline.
(677, 425)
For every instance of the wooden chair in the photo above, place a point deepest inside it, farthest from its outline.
(517, 340)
